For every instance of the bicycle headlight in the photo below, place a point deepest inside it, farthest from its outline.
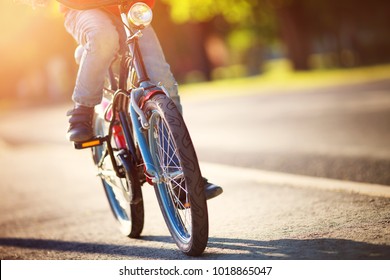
(140, 14)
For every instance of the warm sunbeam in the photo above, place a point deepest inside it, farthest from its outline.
(35, 53)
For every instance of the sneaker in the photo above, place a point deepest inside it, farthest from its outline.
(80, 124)
(211, 190)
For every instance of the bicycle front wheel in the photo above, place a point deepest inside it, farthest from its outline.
(180, 190)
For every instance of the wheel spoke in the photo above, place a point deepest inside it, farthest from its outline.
(184, 207)
(172, 172)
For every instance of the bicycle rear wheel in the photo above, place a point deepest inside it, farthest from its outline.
(118, 190)
(180, 191)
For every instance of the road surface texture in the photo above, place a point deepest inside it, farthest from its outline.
(305, 176)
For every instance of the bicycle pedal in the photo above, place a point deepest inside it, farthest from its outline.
(97, 141)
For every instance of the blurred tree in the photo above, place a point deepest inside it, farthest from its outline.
(339, 33)
(243, 25)
(293, 25)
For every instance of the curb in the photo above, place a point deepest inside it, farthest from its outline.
(298, 181)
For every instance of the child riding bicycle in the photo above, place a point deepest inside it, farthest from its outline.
(95, 30)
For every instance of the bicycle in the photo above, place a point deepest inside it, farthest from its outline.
(142, 137)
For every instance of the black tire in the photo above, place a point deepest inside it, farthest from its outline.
(118, 190)
(181, 192)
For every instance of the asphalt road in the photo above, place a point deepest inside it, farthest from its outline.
(333, 132)
(52, 206)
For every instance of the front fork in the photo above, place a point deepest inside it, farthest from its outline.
(140, 125)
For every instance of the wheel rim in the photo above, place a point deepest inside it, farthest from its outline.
(171, 187)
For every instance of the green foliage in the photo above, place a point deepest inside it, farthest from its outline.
(247, 17)
(203, 10)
